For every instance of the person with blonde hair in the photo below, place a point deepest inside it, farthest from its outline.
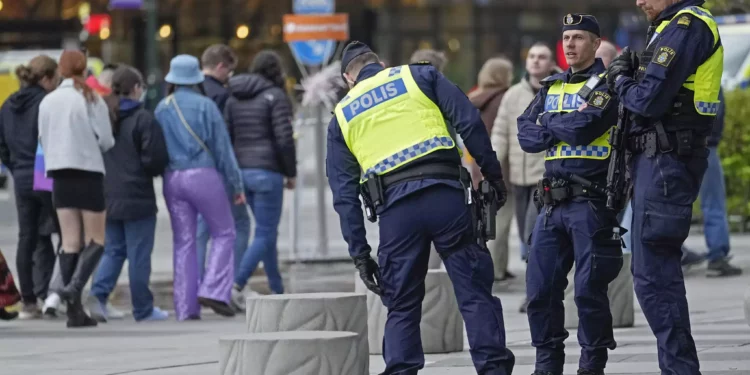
(493, 82)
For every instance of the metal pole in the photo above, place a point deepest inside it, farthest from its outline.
(152, 52)
(321, 182)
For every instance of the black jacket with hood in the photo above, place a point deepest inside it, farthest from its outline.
(139, 155)
(19, 134)
(259, 117)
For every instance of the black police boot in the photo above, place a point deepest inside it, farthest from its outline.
(585, 371)
(537, 372)
(76, 272)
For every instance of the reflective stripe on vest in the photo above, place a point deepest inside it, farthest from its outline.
(563, 97)
(387, 121)
(706, 81)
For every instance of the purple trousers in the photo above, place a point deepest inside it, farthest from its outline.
(189, 193)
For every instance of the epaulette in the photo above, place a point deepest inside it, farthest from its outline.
(684, 20)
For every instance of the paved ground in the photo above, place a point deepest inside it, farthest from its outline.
(191, 348)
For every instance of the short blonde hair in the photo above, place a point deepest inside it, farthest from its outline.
(436, 58)
(496, 72)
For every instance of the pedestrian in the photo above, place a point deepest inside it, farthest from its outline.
(673, 97)
(493, 82)
(713, 197)
(574, 226)
(19, 132)
(219, 62)
(200, 160)
(9, 295)
(436, 58)
(139, 155)
(259, 117)
(393, 125)
(607, 52)
(525, 169)
(75, 130)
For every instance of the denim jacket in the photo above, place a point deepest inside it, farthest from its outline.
(185, 152)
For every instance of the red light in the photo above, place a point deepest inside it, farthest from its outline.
(97, 22)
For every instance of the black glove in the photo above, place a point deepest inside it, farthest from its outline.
(500, 191)
(369, 272)
(621, 65)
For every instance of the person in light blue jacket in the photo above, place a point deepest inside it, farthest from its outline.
(200, 160)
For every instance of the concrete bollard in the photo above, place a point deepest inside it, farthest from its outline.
(621, 298)
(291, 353)
(442, 327)
(343, 312)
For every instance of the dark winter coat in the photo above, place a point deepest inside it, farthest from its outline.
(19, 134)
(217, 91)
(139, 155)
(259, 117)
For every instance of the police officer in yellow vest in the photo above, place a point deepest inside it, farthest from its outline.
(389, 141)
(674, 97)
(570, 123)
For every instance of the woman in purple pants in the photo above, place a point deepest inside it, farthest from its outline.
(201, 160)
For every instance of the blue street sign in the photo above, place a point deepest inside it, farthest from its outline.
(313, 52)
(125, 4)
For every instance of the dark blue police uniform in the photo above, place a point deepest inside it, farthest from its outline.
(577, 228)
(666, 183)
(419, 212)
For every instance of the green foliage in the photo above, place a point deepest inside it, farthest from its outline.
(734, 150)
(719, 6)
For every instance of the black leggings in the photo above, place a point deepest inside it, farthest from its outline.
(35, 255)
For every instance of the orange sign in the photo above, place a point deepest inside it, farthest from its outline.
(303, 27)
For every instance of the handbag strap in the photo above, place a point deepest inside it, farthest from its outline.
(172, 100)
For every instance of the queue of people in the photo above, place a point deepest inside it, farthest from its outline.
(84, 153)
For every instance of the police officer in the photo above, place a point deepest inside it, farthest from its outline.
(674, 97)
(571, 124)
(392, 127)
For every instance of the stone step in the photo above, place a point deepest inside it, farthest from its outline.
(442, 327)
(342, 312)
(291, 353)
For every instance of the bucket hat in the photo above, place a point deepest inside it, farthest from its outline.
(184, 70)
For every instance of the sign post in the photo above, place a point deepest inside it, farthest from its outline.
(312, 33)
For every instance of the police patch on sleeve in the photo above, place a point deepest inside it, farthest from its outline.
(599, 100)
(663, 56)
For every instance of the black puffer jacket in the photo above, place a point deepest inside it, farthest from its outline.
(259, 117)
(19, 132)
(139, 155)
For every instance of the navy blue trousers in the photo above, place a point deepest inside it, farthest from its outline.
(580, 232)
(665, 187)
(437, 214)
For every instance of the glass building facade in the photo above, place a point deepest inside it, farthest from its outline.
(469, 31)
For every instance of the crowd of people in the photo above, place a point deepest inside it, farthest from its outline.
(84, 152)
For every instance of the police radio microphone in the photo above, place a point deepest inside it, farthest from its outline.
(589, 86)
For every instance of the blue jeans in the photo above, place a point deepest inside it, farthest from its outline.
(265, 195)
(241, 228)
(132, 240)
(713, 204)
(713, 197)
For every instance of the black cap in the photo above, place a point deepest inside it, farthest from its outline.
(352, 51)
(585, 22)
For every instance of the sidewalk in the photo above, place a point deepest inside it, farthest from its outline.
(191, 348)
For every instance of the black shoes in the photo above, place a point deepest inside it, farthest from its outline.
(8, 315)
(76, 269)
(584, 371)
(722, 268)
(218, 307)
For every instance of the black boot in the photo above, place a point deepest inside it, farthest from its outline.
(84, 266)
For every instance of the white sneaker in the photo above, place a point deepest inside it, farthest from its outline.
(51, 306)
(113, 313)
(29, 312)
(237, 300)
